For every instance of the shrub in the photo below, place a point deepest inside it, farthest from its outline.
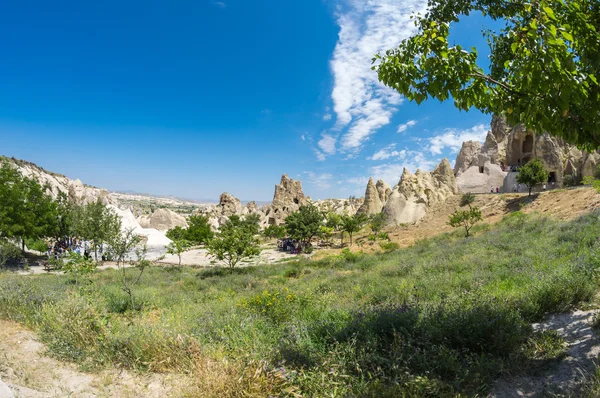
(389, 246)
(9, 253)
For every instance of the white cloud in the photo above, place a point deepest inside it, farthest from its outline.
(403, 127)
(327, 144)
(320, 155)
(303, 137)
(322, 181)
(327, 116)
(453, 139)
(362, 104)
(388, 152)
(219, 4)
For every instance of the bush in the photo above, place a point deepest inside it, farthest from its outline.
(570, 180)
(39, 245)
(389, 246)
(9, 253)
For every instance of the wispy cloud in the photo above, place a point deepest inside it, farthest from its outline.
(322, 180)
(327, 144)
(403, 127)
(327, 117)
(453, 138)
(389, 152)
(361, 103)
(219, 4)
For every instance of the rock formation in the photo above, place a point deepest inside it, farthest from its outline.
(287, 199)
(373, 203)
(479, 167)
(416, 193)
(163, 220)
(229, 205)
(383, 190)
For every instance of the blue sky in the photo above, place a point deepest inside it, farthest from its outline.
(195, 98)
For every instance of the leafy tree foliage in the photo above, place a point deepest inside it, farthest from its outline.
(532, 173)
(176, 233)
(235, 242)
(335, 221)
(26, 211)
(178, 247)
(121, 244)
(353, 224)
(465, 218)
(304, 224)
(198, 231)
(377, 222)
(544, 64)
(274, 231)
(97, 223)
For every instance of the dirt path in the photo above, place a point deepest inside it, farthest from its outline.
(29, 373)
(566, 377)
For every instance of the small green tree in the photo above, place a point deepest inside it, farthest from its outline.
(304, 224)
(121, 244)
(274, 232)
(377, 222)
(465, 218)
(532, 173)
(26, 210)
(334, 220)
(234, 243)
(198, 231)
(353, 224)
(325, 233)
(97, 223)
(178, 247)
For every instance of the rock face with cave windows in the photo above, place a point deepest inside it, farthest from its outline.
(287, 199)
(479, 167)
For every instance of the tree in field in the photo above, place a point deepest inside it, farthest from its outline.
(234, 243)
(97, 223)
(123, 243)
(176, 233)
(178, 247)
(26, 211)
(377, 222)
(334, 220)
(532, 173)
(544, 66)
(198, 231)
(465, 218)
(304, 224)
(274, 232)
(353, 224)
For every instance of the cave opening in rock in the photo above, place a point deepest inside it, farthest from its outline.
(528, 144)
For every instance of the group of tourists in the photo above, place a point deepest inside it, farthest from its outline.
(64, 246)
(291, 246)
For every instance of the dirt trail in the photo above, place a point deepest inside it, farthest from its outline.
(29, 373)
(583, 347)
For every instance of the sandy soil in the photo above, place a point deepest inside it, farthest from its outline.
(201, 258)
(567, 376)
(29, 373)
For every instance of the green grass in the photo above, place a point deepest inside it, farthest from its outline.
(444, 317)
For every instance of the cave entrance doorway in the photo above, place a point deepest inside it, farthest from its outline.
(528, 144)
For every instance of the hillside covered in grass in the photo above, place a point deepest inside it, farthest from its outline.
(447, 315)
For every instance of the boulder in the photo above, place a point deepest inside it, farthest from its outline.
(162, 220)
